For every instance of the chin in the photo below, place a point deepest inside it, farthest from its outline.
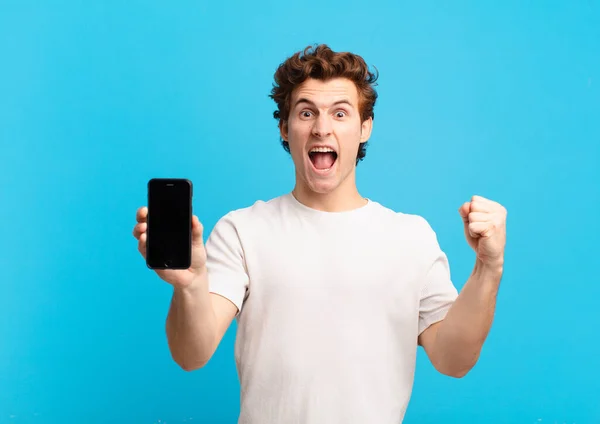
(323, 187)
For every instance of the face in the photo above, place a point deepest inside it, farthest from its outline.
(324, 131)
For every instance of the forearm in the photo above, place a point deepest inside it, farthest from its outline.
(461, 334)
(191, 325)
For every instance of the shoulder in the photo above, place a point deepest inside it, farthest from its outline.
(261, 211)
(407, 221)
(260, 208)
(410, 227)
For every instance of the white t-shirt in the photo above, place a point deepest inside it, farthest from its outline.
(331, 305)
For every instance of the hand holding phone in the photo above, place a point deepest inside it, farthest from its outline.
(169, 235)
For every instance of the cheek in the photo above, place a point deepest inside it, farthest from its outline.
(296, 143)
(297, 136)
(350, 142)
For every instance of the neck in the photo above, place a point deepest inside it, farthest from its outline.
(344, 198)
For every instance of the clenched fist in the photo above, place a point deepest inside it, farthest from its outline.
(485, 229)
(176, 277)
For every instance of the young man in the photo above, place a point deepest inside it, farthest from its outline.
(332, 291)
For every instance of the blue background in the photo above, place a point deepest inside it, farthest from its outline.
(98, 97)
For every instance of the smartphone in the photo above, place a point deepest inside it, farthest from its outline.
(169, 223)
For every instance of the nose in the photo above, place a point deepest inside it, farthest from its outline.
(322, 126)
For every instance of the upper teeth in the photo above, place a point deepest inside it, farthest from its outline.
(321, 150)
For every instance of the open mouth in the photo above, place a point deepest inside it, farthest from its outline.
(322, 158)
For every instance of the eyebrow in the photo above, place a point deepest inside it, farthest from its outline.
(305, 100)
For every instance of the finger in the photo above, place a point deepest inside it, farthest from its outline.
(464, 211)
(479, 229)
(481, 199)
(197, 230)
(479, 205)
(483, 204)
(142, 214)
(139, 229)
(142, 245)
(480, 217)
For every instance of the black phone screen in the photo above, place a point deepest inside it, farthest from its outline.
(168, 243)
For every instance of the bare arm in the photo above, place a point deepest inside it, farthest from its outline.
(454, 344)
(197, 319)
(196, 323)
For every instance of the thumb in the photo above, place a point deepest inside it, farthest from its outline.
(197, 230)
(464, 211)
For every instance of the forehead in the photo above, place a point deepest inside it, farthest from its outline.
(325, 92)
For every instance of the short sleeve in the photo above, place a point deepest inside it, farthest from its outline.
(227, 275)
(438, 293)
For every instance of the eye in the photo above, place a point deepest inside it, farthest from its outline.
(341, 113)
(306, 114)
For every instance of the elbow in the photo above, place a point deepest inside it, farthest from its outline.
(457, 369)
(455, 372)
(458, 373)
(189, 358)
(190, 366)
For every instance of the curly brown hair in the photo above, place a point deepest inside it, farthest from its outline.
(322, 63)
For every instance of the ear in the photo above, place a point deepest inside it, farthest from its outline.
(283, 129)
(366, 128)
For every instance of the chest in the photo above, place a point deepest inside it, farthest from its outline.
(340, 271)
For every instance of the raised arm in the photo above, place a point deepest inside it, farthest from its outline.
(197, 319)
(454, 344)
